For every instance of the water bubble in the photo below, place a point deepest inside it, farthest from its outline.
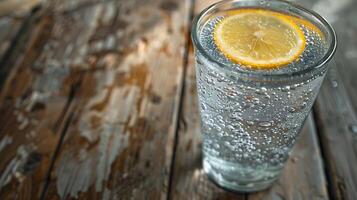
(230, 128)
(353, 128)
(291, 109)
(218, 128)
(255, 101)
(250, 123)
(203, 106)
(246, 105)
(220, 79)
(232, 93)
(285, 89)
(303, 105)
(209, 81)
(261, 90)
(334, 83)
(212, 73)
(202, 91)
(265, 124)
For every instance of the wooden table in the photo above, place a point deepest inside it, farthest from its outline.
(98, 101)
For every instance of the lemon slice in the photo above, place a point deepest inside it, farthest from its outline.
(259, 39)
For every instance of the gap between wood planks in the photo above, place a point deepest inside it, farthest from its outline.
(327, 170)
(182, 93)
(66, 121)
(15, 46)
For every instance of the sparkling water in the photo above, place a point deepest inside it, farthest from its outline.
(249, 127)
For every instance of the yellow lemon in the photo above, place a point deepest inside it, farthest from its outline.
(260, 39)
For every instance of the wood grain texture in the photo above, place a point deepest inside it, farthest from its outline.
(119, 144)
(17, 7)
(302, 178)
(337, 102)
(337, 126)
(14, 33)
(33, 99)
(346, 56)
(9, 27)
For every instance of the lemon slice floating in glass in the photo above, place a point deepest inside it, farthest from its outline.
(260, 39)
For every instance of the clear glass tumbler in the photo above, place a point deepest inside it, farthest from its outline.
(250, 119)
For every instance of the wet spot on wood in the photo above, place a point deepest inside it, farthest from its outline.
(151, 22)
(38, 106)
(90, 168)
(147, 163)
(95, 122)
(122, 24)
(142, 126)
(102, 104)
(165, 49)
(169, 6)
(193, 90)
(183, 30)
(156, 99)
(137, 76)
(33, 161)
(189, 146)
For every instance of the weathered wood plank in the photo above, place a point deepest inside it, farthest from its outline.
(337, 102)
(302, 178)
(346, 28)
(337, 122)
(119, 144)
(33, 100)
(9, 27)
(15, 19)
(16, 7)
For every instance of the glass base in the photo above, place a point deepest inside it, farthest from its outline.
(235, 178)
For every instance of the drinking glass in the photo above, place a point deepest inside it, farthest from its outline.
(250, 119)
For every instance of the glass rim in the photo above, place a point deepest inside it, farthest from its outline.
(316, 66)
